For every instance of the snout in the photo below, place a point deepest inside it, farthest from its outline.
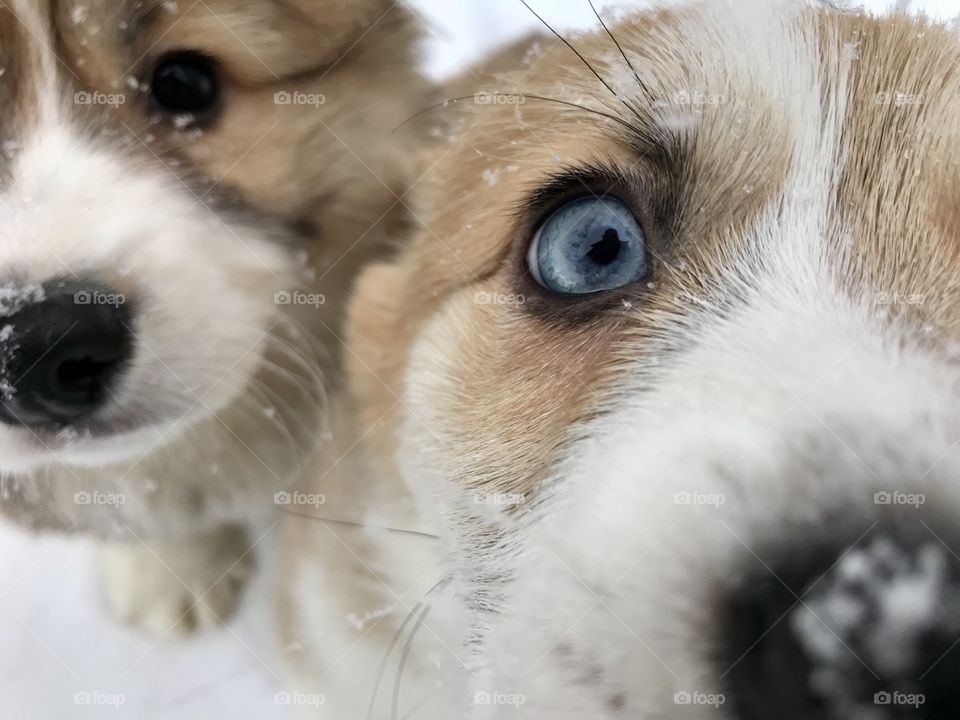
(864, 627)
(63, 349)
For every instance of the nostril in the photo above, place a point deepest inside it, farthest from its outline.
(63, 355)
(84, 377)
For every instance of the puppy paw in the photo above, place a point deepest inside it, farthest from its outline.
(177, 588)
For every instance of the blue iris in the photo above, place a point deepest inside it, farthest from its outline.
(588, 246)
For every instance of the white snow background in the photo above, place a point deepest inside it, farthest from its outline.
(55, 640)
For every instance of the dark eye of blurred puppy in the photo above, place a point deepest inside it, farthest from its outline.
(186, 84)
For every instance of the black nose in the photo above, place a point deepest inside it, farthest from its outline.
(866, 629)
(61, 352)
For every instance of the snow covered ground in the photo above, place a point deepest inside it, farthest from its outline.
(56, 648)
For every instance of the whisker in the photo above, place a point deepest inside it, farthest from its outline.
(351, 523)
(404, 655)
(623, 53)
(396, 639)
(273, 400)
(386, 657)
(250, 407)
(525, 96)
(289, 408)
(302, 353)
(576, 52)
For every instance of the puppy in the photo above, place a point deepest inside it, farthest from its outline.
(188, 191)
(658, 415)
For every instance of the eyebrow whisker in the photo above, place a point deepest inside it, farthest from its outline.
(525, 96)
(623, 53)
(576, 52)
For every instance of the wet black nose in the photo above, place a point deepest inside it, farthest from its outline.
(62, 350)
(868, 628)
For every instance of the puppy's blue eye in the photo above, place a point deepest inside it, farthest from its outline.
(588, 246)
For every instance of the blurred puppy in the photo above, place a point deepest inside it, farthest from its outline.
(188, 191)
(672, 379)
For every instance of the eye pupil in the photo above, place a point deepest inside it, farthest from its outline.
(606, 250)
(186, 83)
(589, 245)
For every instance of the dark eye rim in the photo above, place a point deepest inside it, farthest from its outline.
(201, 120)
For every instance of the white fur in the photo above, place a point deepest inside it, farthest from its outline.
(200, 286)
(794, 401)
(219, 405)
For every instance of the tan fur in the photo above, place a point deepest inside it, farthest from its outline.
(531, 366)
(532, 357)
(330, 174)
(498, 390)
(901, 184)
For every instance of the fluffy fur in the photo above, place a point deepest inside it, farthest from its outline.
(205, 231)
(601, 473)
